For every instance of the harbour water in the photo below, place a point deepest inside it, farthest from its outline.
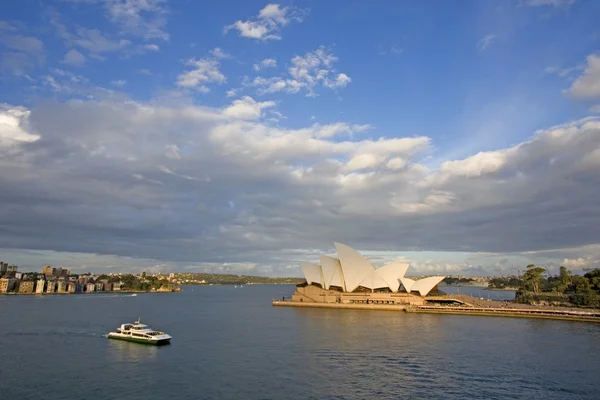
(230, 343)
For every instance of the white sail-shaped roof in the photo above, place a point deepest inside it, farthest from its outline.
(353, 270)
(407, 283)
(373, 281)
(313, 274)
(424, 286)
(354, 266)
(332, 272)
(390, 274)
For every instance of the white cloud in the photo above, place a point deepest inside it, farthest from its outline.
(485, 42)
(268, 23)
(26, 44)
(95, 42)
(579, 263)
(143, 18)
(217, 52)
(151, 47)
(480, 164)
(246, 108)
(119, 82)
(231, 92)
(266, 63)
(114, 170)
(335, 129)
(203, 71)
(587, 86)
(74, 58)
(306, 73)
(13, 127)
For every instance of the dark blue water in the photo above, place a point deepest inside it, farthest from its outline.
(480, 292)
(230, 343)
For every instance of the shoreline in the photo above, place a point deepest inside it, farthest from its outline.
(540, 313)
(89, 293)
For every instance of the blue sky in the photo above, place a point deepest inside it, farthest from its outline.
(268, 108)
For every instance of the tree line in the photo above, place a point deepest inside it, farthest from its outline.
(581, 290)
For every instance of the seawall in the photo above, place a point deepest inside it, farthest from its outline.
(582, 316)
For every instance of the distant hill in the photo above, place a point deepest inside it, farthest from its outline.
(230, 279)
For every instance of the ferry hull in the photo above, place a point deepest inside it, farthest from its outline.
(159, 342)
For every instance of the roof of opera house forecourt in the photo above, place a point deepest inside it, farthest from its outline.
(351, 270)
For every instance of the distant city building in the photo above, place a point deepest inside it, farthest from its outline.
(99, 287)
(116, 286)
(40, 286)
(3, 268)
(71, 287)
(90, 287)
(61, 286)
(11, 270)
(57, 272)
(19, 275)
(50, 286)
(26, 287)
(8, 284)
(107, 287)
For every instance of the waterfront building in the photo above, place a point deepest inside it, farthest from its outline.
(11, 270)
(61, 286)
(90, 287)
(50, 286)
(26, 286)
(71, 287)
(107, 287)
(99, 287)
(40, 286)
(8, 284)
(116, 286)
(351, 278)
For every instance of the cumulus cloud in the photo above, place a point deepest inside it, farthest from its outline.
(268, 23)
(202, 71)
(143, 18)
(157, 180)
(246, 108)
(26, 53)
(13, 127)
(74, 58)
(266, 63)
(587, 86)
(306, 73)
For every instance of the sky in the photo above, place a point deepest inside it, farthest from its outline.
(248, 136)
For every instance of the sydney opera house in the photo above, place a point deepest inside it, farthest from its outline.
(352, 279)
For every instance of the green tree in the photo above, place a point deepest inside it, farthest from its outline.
(533, 278)
(564, 281)
(583, 294)
(594, 278)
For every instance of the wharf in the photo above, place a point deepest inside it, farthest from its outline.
(544, 313)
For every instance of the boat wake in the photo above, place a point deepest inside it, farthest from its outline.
(61, 332)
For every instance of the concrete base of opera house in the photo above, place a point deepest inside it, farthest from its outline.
(314, 296)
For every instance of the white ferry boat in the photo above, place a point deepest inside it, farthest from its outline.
(140, 333)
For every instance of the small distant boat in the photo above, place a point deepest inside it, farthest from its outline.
(140, 333)
(133, 295)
